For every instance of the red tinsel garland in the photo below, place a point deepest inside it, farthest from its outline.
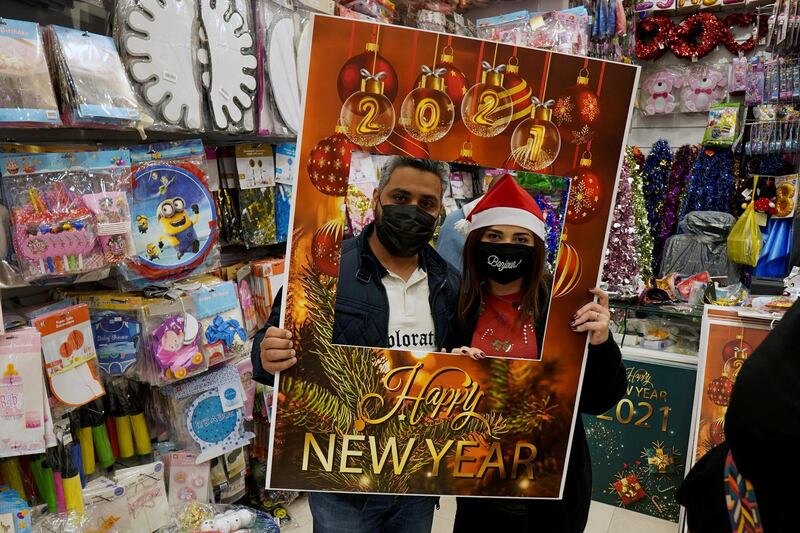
(652, 37)
(696, 36)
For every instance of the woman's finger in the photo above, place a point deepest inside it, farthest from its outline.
(602, 296)
(590, 316)
(591, 326)
(592, 306)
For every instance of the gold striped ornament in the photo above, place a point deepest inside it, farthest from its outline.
(568, 269)
(519, 91)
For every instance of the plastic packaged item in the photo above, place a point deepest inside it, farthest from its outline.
(380, 10)
(256, 171)
(69, 212)
(701, 246)
(723, 125)
(269, 120)
(703, 86)
(217, 308)
(70, 359)
(93, 86)
(754, 90)
(158, 42)
(510, 28)
(106, 506)
(659, 92)
(195, 517)
(207, 413)
(21, 393)
(117, 330)
(281, 62)
(173, 335)
(188, 481)
(737, 76)
(229, 63)
(285, 155)
(15, 514)
(147, 496)
(745, 239)
(26, 93)
(174, 219)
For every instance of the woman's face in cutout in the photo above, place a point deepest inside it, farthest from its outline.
(504, 234)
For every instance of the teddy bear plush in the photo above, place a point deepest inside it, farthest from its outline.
(702, 87)
(658, 89)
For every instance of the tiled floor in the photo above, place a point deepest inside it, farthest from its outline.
(602, 519)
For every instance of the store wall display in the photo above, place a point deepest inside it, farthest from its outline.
(640, 448)
(28, 98)
(726, 342)
(343, 431)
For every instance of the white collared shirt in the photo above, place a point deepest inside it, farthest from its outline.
(410, 322)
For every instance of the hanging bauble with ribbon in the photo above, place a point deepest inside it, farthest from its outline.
(368, 115)
(465, 155)
(719, 391)
(738, 349)
(455, 82)
(487, 108)
(536, 142)
(568, 269)
(577, 111)
(519, 91)
(585, 192)
(349, 80)
(329, 163)
(326, 247)
(401, 143)
(427, 112)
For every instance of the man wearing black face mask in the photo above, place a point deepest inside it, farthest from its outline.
(394, 291)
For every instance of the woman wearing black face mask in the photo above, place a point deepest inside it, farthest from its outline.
(502, 313)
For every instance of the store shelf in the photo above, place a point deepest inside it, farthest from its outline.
(630, 351)
(124, 137)
(668, 311)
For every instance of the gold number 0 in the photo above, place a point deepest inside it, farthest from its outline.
(489, 102)
(369, 106)
(427, 114)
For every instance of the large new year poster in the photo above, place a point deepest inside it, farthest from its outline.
(370, 419)
(726, 341)
(639, 448)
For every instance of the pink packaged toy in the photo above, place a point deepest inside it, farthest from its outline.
(173, 336)
(658, 92)
(703, 87)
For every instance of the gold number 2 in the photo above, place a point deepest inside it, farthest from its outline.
(369, 106)
(489, 102)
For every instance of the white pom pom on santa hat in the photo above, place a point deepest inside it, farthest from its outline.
(506, 204)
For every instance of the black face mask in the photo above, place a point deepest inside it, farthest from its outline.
(504, 262)
(404, 229)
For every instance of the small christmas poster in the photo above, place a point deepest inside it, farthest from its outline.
(639, 447)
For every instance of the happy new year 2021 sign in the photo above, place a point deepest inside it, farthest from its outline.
(387, 421)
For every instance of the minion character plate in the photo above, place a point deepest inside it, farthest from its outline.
(175, 220)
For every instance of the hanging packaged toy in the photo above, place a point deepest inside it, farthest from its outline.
(69, 355)
(244, 281)
(15, 514)
(207, 413)
(284, 179)
(510, 28)
(26, 94)
(173, 335)
(148, 506)
(703, 86)
(363, 180)
(93, 86)
(659, 91)
(174, 219)
(106, 506)
(723, 125)
(786, 188)
(188, 481)
(754, 90)
(69, 212)
(117, 330)
(737, 76)
(217, 309)
(21, 393)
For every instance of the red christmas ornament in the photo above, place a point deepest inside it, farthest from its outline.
(465, 155)
(736, 349)
(577, 111)
(326, 247)
(519, 91)
(719, 391)
(329, 163)
(568, 269)
(349, 80)
(716, 432)
(697, 36)
(455, 82)
(401, 143)
(585, 192)
(652, 37)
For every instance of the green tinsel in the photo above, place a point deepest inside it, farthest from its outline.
(642, 225)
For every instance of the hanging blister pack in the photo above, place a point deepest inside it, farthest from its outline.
(172, 348)
(117, 329)
(217, 308)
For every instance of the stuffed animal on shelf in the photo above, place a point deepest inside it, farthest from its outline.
(229, 522)
(658, 88)
(703, 87)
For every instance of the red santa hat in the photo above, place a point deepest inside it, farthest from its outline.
(506, 203)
